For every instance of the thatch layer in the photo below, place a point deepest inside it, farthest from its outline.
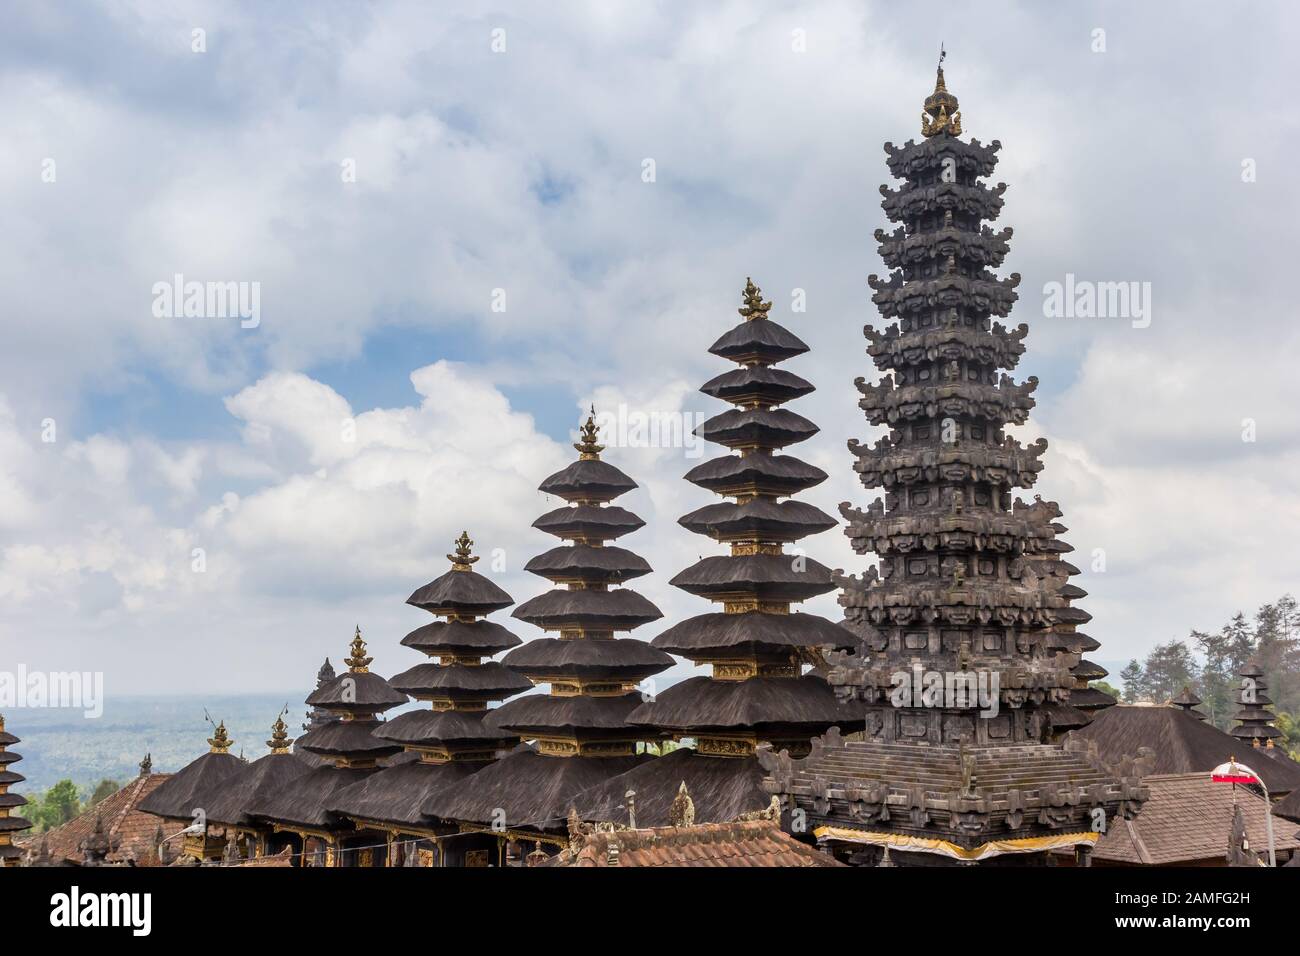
(306, 800)
(588, 479)
(395, 795)
(530, 790)
(544, 714)
(344, 738)
(716, 635)
(353, 691)
(772, 520)
(764, 427)
(590, 522)
(770, 706)
(770, 386)
(587, 563)
(193, 787)
(251, 783)
(482, 638)
(722, 788)
(618, 609)
(768, 577)
(487, 681)
(460, 592)
(770, 474)
(764, 340)
(447, 728)
(628, 660)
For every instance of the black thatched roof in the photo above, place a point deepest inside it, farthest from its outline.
(771, 706)
(250, 783)
(7, 739)
(534, 791)
(722, 788)
(460, 592)
(545, 714)
(193, 787)
(626, 660)
(713, 635)
(766, 474)
(757, 383)
(395, 795)
(588, 479)
(346, 738)
(306, 800)
(591, 522)
(467, 638)
(773, 520)
(766, 427)
(583, 562)
(762, 341)
(1182, 744)
(1289, 806)
(618, 609)
(449, 728)
(8, 776)
(487, 681)
(768, 577)
(356, 692)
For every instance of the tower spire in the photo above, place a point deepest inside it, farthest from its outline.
(358, 662)
(589, 447)
(461, 560)
(941, 106)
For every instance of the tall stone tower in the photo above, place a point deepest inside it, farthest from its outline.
(970, 652)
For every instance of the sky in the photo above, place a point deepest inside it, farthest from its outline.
(449, 216)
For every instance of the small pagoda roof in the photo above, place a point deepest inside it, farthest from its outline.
(767, 577)
(627, 660)
(617, 609)
(584, 562)
(590, 522)
(722, 788)
(346, 738)
(356, 692)
(1188, 819)
(757, 427)
(487, 681)
(708, 635)
(763, 517)
(250, 783)
(306, 800)
(460, 592)
(588, 480)
(1182, 744)
(750, 843)
(762, 341)
(767, 474)
(757, 383)
(1087, 670)
(129, 828)
(534, 791)
(1090, 697)
(449, 728)
(767, 706)
(396, 794)
(578, 714)
(467, 638)
(192, 787)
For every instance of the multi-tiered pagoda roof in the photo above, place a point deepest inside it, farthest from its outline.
(10, 824)
(971, 589)
(757, 648)
(579, 729)
(1254, 719)
(253, 782)
(357, 696)
(448, 740)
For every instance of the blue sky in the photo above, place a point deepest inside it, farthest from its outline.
(522, 170)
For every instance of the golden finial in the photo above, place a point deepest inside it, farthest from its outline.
(358, 663)
(462, 559)
(279, 742)
(220, 741)
(941, 105)
(754, 307)
(589, 448)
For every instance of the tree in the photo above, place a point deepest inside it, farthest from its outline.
(58, 805)
(1167, 670)
(1134, 682)
(105, 788)
(1105, 688)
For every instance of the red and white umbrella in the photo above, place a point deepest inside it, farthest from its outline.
(1233, 772)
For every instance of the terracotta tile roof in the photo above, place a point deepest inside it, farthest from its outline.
(122, 820)
(748, 843)
(1188, 818)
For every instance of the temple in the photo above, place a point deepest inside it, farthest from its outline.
(579, 731)
(447, 741)
(757, 649)
(299, 811)
(10, 855)
(183, 798)
(970, 658)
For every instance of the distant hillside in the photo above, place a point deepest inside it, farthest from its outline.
(59, 744)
